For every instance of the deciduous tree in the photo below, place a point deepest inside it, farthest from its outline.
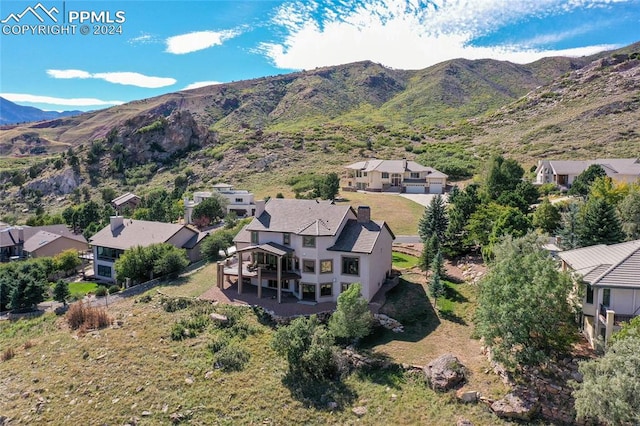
(583, 181)
(547, 217)
(523, 311)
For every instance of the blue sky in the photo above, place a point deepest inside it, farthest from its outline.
(159, 46)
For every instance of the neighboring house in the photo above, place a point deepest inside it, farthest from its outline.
(122, 234)
(126, 202)
(394, 176)
(611, 274)
(562, 173)
(239, 201)
(312, 250)
(18, 242)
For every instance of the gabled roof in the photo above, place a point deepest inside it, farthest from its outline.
(616, 265)
(273, 248)
(394, 166)
(118, 201)
(134, 232)
(39, 239)
(9, 236)
(357, 237)
(301, 217)
(611, 166)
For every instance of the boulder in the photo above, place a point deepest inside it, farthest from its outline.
(359, 411)
(445, 372)
(218, 318)
(517, 406)
(467, 396)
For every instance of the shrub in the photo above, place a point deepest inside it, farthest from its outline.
(232, 357)
(101, 291)
(218, 343)
(114, 289)
(8, 354)
(84, 317)
(145, 299)
(178, 331)
(176, 304)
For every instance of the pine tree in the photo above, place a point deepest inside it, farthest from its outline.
(599, 223)
(434, 221)
(436, 288)
(61, 292)
(568, 232)
(429, 251)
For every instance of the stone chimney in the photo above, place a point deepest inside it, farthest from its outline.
(116, 222)
(364, 214)
(259, 208)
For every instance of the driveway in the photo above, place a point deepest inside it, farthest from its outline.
(422, 199)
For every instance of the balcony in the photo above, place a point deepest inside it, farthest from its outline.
(617, 318)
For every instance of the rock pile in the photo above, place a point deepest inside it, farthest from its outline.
(389, 323)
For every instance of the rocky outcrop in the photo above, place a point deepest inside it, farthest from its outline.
(445, 372)
(59, 184)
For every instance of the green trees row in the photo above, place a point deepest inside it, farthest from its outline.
(24, 284)
(141, 264)
(316, 186)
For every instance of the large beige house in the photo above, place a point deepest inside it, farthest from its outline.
(611, 274)
(394, 176)
(122, 234)
(239, 201)
(562, 173)
(312, 250)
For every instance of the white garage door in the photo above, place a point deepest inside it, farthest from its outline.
(414, 189)
(435, 188)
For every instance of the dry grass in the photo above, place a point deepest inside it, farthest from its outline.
(115, 374)
(84, 317)
(8, 354)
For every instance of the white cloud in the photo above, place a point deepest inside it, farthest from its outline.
(68, 74)
(125, 78)
(143, 38)
(410, 34)
(199, 40)
(198, 84)
(37, 99)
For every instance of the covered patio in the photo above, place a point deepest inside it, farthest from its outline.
(272, 262)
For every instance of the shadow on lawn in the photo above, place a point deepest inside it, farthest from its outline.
(408, 303)
(320, 394)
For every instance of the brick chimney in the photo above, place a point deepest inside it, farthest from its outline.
(364, 214)
(116, 222)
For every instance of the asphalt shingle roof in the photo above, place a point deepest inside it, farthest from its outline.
(135, 233)
(301, 217)
(357, 237)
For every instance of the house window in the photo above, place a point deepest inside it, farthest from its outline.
(286, 238)
(358, 173)
(415, 175)
(272, 283)
(344, 287)
(308, 291)
(364, 174)
(589, 294)
(106, 253)
(385, 175)
(326, 289)
(350, 266)
(254, 237)
(238, 200)
(104, 271)
(308, 241)
(606, 297)
(309, 266)
(326, 266)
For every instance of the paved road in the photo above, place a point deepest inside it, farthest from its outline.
(422, 199)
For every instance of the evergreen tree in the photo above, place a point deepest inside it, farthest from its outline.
(434, 220)
(429, 251)
(61, 292)
(570, 223)
(599, 223)
(437, 265)
(462, 204)
(352, 318)
(436, 288)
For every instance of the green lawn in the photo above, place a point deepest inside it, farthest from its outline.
(82, 287)
(404, 261)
